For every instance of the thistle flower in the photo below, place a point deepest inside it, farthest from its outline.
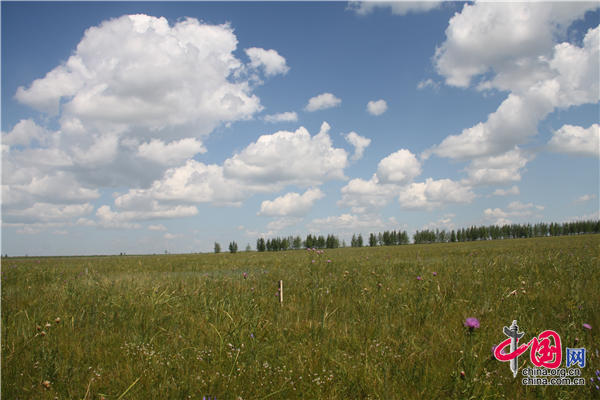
(587, 326)
(434, 273)
(46, 384)
(472, 323)
(419, 278)
(57, 320)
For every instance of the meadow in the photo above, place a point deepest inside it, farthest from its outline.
(355, 323)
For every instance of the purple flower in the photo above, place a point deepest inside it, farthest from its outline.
(434, 273)
(419, 278)
(587, 326)
(245, 275)
(472, 323)
(313, 261)
(493, 350)
(252, 335)
(328, 261)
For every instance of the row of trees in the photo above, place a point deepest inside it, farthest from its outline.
(392, 238)
(295, 243)
(513, 231)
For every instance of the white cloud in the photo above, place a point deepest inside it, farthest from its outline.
(512, 191)
(322, 102)
(585, 198)
(194, 182)
(47, 212)
(267, 165)
(349, 223)
(25, 132)
(433, 194)
(360, 143)
(377, 107)
(171, 236)
(149, 74)
(134, 98)
(576, 140)
(123, 219)
(400, 167)
(270, 60)
(538, 74)
(515, 209)
(289, 158)
(428, 83)
(467, 53)
(282, 223)
(396, 7)
(499, 169)
(364, 196)
(517, 206)
(172, 153)
(159, 227)
(57, 188)
(291, 204)
(288, 116)
(444, 223)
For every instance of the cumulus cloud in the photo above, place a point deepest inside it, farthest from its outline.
(377, 107)
(322, 102)
(132, 103)
(281, 223)
(433, 194)
(428, 83)
(288, 116)
(158, 227)
(269, 164)
(172, 153)
(576, 140)
(291, 204)
(47, 212)
(365, 196)
(352, 223)
(289, 158)
(269, 60)
(24, 133)
(123, 219)
(503, 168)
(400, 167)
(396, 7)
(156, 75)
(466, 52)
(515, 210)
(443, 223)
(539, 74)
(360, 143)
(512, 191)
(585, 198)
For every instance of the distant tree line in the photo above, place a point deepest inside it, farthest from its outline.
(512, 231)
(393, 238)
(295, 243)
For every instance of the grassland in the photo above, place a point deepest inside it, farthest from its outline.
(360, 326)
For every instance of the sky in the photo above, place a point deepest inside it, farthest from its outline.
(147, 127)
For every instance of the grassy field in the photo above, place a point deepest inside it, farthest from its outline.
(356, 323)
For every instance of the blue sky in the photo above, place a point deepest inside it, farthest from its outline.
(144, 127)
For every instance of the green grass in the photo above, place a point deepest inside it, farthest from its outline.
(362, 326)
